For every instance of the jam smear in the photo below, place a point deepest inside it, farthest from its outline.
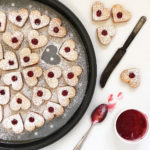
(0, 24)
(131, 75)
(14, 40)
(14, 121)
(31, 119)
(64, 92)
(18, 18)
(99, 13)
(19, 100)
(30, 74)
(70, 75)
(26, 59)
(37, 21)
(14, 78)
(104, 32)
(67, 49)
(50, 74)
(11, 62)
(39, 93)
(131, 124)
(51, 109)
(34, 41)
(2, 92)
(56, 29)
(119, 15)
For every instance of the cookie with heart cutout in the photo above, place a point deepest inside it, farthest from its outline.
(52, 110)
(9, 62)
(131, 76)
(40, 95)
(56, 29)
(18, 17)
(71, 75)
(65, 94)
(37, 20)
(105, 34)
(1, 52)
(120, 14)
(19, 101)
(14, 79)
(14, 40)
(52, 75)
(99, 12)
(31, 75)
(1, 113)
(33, 120)
(4, 95)
(27, 58)
(2, 21)
(15, 123)
(36, 40)
(68, 51)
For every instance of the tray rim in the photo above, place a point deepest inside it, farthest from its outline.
(42, 142)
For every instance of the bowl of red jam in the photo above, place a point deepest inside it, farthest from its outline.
(131, 125)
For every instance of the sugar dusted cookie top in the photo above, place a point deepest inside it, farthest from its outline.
(1, 52)
(4, 95)
(1, 113)
(2, 21)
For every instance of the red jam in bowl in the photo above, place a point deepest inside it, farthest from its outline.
(131, 125)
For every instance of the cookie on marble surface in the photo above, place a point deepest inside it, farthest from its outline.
(4, 95)
(3, 21)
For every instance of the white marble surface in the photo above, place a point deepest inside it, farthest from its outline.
(138, 55)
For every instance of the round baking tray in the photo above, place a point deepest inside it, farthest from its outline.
(41, 142)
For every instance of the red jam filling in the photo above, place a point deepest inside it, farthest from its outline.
(0, 24)
(50, 74)
(131, 125)
(2, 92)
(56, 30)
(11, 62)
(39, 93)
(131, 75)
(67, 49)
(18, 18)
(31, 119)
(30, 73)
(34, 41)
(37, 21)
(98, 13)
(51, 109)
(14, 121)
(104, 32)
(64, 92)
(70, 75)
(14, 40)
(14, 78)
(26, 59)
(19, 100)
(119, 15)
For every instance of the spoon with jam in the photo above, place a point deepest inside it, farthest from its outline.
(98, 115)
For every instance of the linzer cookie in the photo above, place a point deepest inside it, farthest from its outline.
(2, 21)
(55, 28)
(119, 14)
(1, 113)
(37, 20)
(40, 95)
(131, 76)
(27, 58)
(1, 52)
(99, 12)
(68, 51)
(65, 94)
(105, 34)
(9, 62)
(18, 17)
(14, 40)
(71, 75)
(19, 101)
(15, 123)
(4, 95)
(52, 110)
(31, 75)
(52, 75)
(14, 79)
(33, 120)
(36, 40)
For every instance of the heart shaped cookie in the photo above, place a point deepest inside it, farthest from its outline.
(18, 17)
(1, 52)
(27, 58)
(4, 95)
(40, 95)
(71, 75)
(64, 95)
(31, 75)
(15, 123)
(68, 51)
(131, 76)
(37, 20)
(36, 40)
(55, 28)
(119, 14)
(52, 75)
(2, 21)
(9, 62)
(52, 110)
(19, 101)
(33, 120)
(14, 79)
(99, 12)
(1, 113)
(13, 40)
(105, 34)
